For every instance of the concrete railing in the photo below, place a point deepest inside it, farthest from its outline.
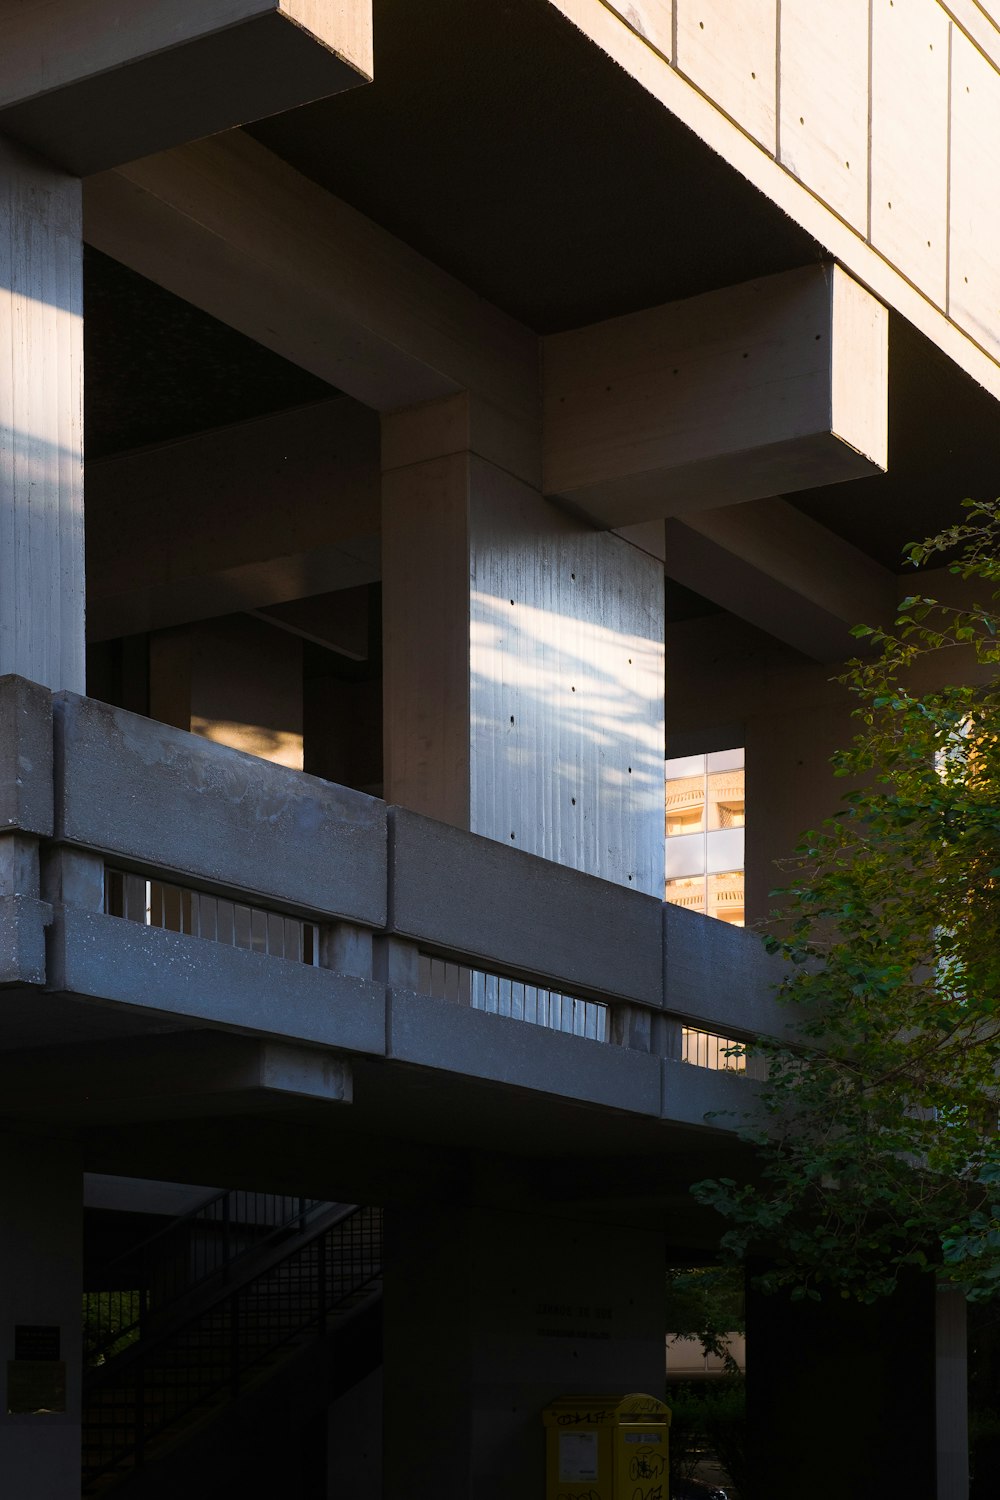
(84, 786)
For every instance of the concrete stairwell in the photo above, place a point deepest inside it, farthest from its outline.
(292, 1319)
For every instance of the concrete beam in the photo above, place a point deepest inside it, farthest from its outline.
(92, 83)
(187, 1073)
(243, 518)
(238, 233)
(776, 385)
(775, 567)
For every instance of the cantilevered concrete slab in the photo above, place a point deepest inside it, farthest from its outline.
(776, 385)
(92, 83)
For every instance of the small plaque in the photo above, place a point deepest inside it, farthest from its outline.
(36, 1341)
(36, 1387)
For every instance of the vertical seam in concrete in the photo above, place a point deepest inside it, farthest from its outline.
(871, 92)
(777, 80)
(947, 200)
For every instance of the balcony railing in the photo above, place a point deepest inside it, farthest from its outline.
(411, 940)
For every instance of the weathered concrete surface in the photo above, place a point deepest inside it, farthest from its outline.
(173, 801)
(438, 1034)
(691, 1094)
(25, 756)
(23, 921)
(720, 976)
(472, 895)
(175, 975)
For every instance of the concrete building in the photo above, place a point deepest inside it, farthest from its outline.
(482, 401)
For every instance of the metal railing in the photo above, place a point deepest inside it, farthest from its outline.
(144, 1285)
(500, 995)
(166, 1380)
(185, 909)
(707, 1049)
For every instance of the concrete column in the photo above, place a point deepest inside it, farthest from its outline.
(952, 1395)
(41, 1275)
(790, 785)
(523, 653)
(730, 684)
(491, 1315)
(41, 422)
(840, 1397)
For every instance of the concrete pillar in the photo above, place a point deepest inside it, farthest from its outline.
(952, 1395)
(730, 684)
(523, 653)
(840, 1397)
(41, 1276)
(790, 785)
(41, 422)
(491, 1315)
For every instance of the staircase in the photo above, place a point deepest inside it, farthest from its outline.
(234, 1317)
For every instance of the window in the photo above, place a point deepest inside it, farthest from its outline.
(705, 816)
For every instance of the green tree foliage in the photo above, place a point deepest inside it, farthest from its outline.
(707, 1303)
(876, 1132)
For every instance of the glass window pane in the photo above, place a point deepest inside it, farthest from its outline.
(725, 850)
(726, 760)
(687, 893)
(686, 856)
(685, 765)
(725, 897)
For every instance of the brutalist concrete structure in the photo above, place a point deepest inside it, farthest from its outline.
(481, 401)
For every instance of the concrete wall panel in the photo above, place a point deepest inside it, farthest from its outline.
(729, 52)
(909, 139)
(566, 687)
(974, 270)
(652, 19)
(823, 133)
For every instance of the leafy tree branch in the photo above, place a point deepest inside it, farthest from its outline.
(876, 1130)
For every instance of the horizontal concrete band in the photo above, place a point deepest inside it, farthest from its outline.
(170, 802)
(506, 908)
(173, 801)
(192, 981)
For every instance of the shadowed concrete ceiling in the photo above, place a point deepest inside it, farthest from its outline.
(503, 145)
(157, 368)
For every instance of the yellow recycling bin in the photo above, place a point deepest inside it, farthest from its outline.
(607, 1448)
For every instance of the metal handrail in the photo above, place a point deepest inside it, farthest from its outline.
(167, 1266)
(213, 1353)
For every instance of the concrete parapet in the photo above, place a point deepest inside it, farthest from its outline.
(202, 982)
(471, 895)
(720, 976)
(159, 796)
(437, 1034)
